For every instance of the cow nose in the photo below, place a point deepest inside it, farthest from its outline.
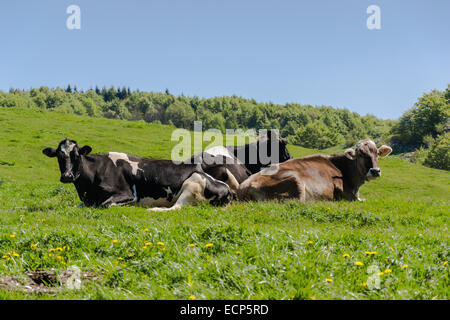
(66, 177)
(376, 172)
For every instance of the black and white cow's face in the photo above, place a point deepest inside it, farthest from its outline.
(69, 157)
(366, 155)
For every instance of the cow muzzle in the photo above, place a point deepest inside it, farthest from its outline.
(374, 173)
(67, 177)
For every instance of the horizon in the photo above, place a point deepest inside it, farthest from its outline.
(310, 53)
(191, 96)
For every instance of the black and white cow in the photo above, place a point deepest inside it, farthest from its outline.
(117, 178)
(242, 161)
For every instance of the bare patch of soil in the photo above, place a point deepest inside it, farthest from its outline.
(46, 281)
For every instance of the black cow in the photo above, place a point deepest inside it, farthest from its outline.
(117, 178)
(241, 161)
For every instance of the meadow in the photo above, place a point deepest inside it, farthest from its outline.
(266, 250)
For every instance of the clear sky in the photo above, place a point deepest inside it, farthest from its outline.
(317, 52)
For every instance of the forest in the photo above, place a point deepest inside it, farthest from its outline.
(422, 132)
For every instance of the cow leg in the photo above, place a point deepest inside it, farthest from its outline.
(358, 198)
(117, 200)
(232, 182)
(191, 193)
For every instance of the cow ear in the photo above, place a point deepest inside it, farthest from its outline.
(49, 152)
(85, 150)
(384, 151)
(350, 154)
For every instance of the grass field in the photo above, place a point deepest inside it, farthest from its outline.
(267, 250)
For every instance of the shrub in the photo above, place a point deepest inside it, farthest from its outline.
(316, 135)
(438, 155)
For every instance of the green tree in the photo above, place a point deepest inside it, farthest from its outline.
(438, 155)
(181, 114)
(316, 135)
(429, 116)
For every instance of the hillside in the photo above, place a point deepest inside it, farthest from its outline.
(265, 250)
(325, 126)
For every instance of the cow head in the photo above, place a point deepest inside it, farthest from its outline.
(366, 156)
(69, 158)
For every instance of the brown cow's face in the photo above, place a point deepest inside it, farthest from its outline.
(366, 156)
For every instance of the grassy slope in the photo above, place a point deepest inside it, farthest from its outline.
(405, 220)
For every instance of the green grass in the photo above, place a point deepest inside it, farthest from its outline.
(266, 250)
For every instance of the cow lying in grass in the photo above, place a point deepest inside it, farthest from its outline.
(321, 177)
(242, 161)
(117, 178)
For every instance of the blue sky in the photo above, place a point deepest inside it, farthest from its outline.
(311, 52)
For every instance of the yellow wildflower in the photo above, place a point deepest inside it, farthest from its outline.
(58, 257)
(370, 253)
(364, 284)
(445, 263)
(159, 243)
(381, 273)
(115, 241)
(191, 245)
(192, 298)
(144, 247)
(328, 280)
(310, 242)
(119, 258)
(145, 230)
(345, 255)
(130, 255)
(208, 245)
(359, 263)
(387, 271)
(33, 246)
(405, 266)
(12, 235)
(238, 252)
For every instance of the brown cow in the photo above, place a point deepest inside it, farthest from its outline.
(317, 177)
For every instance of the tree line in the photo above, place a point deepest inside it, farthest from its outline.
(312, 127)
(421, 128)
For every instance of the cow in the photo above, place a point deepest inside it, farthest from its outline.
(103, 180)
(241, 162)
(317, 177)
